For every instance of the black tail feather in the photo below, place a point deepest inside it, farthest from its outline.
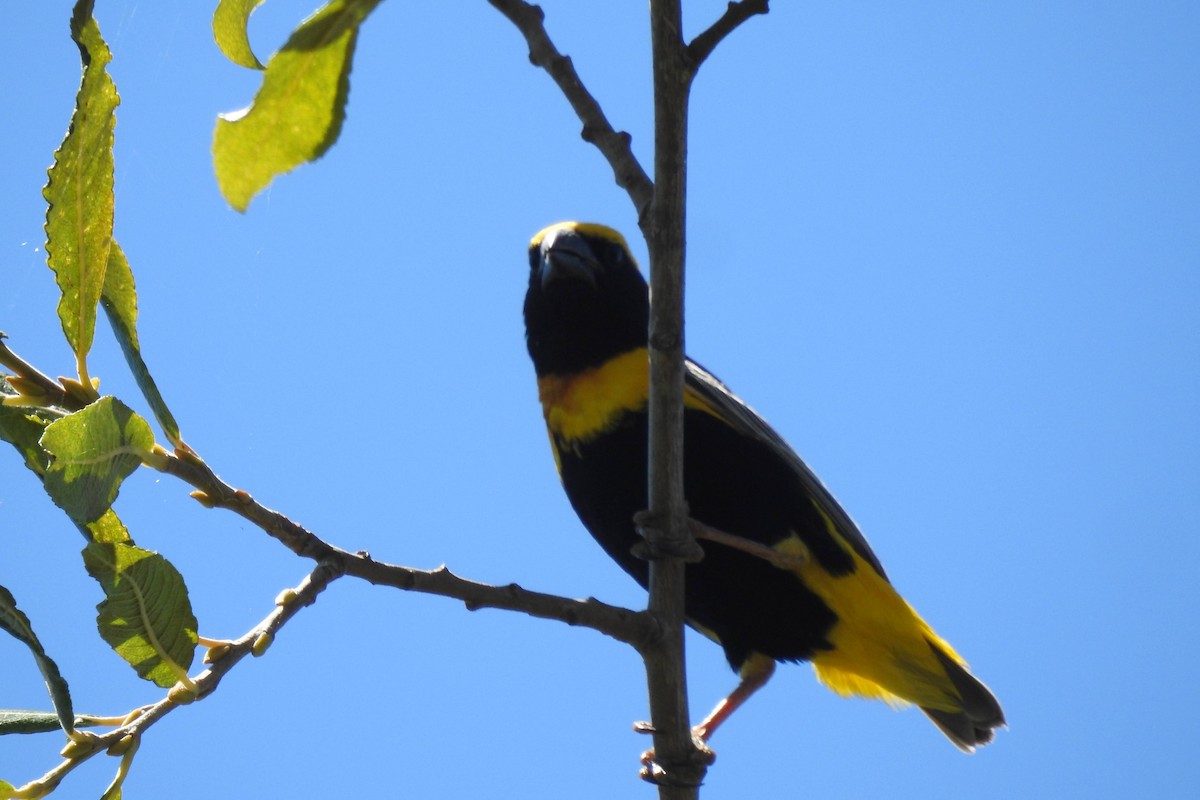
(980, 715)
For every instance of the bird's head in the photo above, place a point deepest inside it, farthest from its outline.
(586, 302)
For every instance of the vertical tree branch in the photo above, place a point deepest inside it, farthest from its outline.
(679, 764)
(669, 541)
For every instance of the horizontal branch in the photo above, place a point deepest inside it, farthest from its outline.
(614, 145)
(635, 628)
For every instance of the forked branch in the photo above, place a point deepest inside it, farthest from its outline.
(735, 14)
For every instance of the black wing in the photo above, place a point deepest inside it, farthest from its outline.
(741, 417)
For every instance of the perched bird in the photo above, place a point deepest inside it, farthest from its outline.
(586, 315)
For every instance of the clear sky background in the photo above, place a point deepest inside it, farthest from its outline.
(950, 250)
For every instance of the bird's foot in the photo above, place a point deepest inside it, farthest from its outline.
(688, 773)
(657, 544)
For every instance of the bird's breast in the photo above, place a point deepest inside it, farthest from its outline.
(581, 406)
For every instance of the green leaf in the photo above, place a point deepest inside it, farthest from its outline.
(298, 112)
(119, 298)
(93, 450)
(229, 31)
(23, 428)
(109, 528)
(6, 789)
(79, 218)
(146, 616)
(14, 622)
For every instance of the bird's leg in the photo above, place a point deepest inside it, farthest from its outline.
(754, 674)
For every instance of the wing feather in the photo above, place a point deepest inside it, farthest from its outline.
(734, 411)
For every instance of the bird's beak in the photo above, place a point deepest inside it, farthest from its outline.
(567, 257)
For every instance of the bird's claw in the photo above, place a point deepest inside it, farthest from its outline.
(653, 772)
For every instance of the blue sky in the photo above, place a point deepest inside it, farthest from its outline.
(951, 251)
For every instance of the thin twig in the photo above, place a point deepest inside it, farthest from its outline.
(128, 734)
(614, 145)
(735, 14)
(216, 493)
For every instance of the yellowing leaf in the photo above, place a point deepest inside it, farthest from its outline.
(79, 217)
(298, 112)
(229, 31)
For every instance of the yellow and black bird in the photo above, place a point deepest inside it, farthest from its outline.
(586, 315)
